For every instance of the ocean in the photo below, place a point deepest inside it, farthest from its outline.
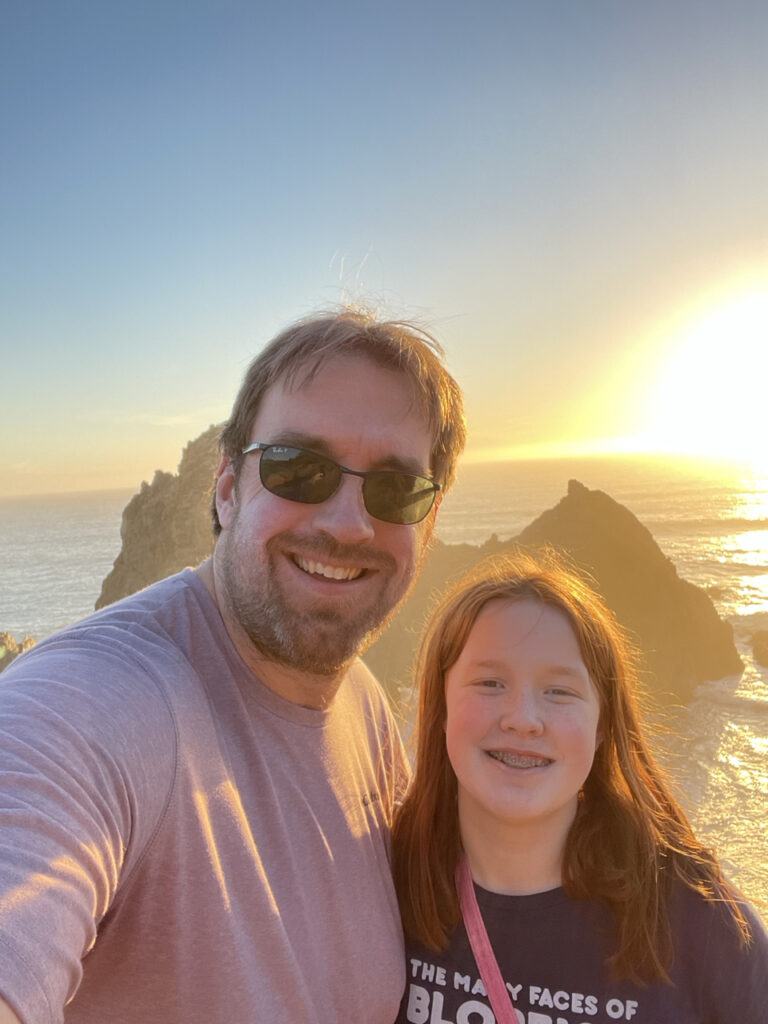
(710, 518)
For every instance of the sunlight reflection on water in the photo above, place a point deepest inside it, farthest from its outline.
(719, 761)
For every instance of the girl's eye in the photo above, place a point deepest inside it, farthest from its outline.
(559, 691)
(490, 684)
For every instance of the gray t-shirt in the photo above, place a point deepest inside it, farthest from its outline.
(180, 844)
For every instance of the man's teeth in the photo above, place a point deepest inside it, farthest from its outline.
(331, 572)
(519, 761)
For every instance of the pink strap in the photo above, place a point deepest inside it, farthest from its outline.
(498, 993)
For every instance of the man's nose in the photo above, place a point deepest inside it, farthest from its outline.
(344, 515)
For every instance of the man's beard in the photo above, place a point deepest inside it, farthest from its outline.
(320, 640)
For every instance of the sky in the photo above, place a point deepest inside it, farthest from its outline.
(570, 194)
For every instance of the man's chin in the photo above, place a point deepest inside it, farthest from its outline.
(320, 645)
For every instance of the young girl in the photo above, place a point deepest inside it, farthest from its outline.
(535, 796)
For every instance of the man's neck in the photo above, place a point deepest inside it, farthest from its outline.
(303, 688)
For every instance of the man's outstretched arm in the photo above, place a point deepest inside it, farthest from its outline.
(7, 1016)
(77, 802)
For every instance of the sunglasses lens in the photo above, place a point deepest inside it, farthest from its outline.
(298, 475)
(398, 497)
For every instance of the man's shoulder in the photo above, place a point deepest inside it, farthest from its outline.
(363, 686)
(157, 601)
(152, 615)
(145, 636)
(364, 695)
(359, 673)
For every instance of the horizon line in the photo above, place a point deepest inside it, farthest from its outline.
(542, 452)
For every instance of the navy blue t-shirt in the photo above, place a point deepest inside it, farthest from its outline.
(552, 952)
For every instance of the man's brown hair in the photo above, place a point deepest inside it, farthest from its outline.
(298, 352)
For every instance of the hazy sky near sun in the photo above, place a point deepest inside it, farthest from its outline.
(571, 194)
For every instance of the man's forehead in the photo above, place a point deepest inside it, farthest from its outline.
(343, 398)
(346, 370)
(303, 372)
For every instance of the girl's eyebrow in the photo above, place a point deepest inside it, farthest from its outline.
(570, 671)
(486, 663)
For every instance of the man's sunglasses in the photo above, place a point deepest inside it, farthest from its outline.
(301, 475)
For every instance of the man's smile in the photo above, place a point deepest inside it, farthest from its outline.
(330, 572)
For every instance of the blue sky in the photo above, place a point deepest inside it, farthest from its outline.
(561, 190)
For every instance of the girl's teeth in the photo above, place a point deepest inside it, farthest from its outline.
(517, 761)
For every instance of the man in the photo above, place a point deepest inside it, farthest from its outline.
(196, 784)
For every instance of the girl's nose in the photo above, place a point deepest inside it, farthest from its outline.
(521, 712)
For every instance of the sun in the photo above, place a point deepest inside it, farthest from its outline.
(710, 396)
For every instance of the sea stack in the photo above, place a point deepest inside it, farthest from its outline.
(167, 526)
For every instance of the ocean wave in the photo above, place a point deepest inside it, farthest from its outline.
(750, 708)
(710, 526)
(747, 624)
(742, 568)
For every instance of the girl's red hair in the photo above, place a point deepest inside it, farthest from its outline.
(630, 840)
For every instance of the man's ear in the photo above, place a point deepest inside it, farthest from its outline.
(226, 497)
(429, 524)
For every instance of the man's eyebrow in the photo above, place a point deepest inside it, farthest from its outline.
(402, 465)
(297, 439)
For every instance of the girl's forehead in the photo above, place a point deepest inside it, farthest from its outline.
(512, 620)
(522, 638)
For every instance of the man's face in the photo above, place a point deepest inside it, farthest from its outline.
(312, 585)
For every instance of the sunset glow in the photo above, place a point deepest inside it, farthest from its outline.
(591, 259)
(710, 398)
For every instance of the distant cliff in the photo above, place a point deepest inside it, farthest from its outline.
(674, 623)
(166, 526)
(682, 635)
(11, 648)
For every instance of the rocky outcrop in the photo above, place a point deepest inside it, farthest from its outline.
(679, 631)
(166, 526)
(681, 638)
(10, 648)
(760, 647)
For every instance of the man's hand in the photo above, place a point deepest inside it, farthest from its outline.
(7, 1016)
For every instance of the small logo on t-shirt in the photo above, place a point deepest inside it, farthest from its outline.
(371, 798)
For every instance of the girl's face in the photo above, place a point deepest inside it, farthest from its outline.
(522, 722)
